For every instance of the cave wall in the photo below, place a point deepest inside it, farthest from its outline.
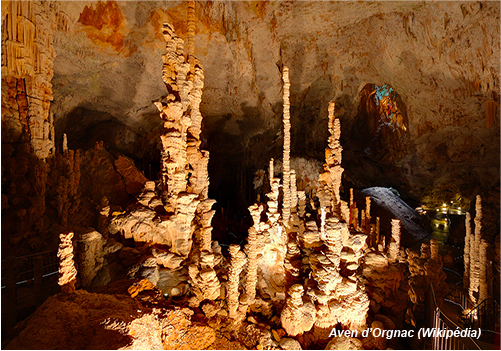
(441, 58)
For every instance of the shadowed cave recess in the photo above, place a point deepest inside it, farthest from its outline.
(256, 174)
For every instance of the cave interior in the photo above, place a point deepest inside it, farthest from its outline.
(258, 174)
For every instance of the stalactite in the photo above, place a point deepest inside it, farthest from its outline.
(286, 153)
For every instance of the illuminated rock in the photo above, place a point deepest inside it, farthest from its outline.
(297, 316)
(67, 270)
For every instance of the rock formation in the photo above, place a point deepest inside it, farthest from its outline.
(475, 254)
(297, 316)
(394, 247)
(468, 240)
(333, 157)
(206, 285)
(287, 148)
(28, 59)
(237, 263)
(67, 270)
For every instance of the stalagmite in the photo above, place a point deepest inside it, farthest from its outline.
(252, 249)
(467, 244)
(67, 270)
(237, 263)
(475, 252)
(205, 214)
(287, 147)
(65, 143)
(394, 246)
(333, 158)
(191, 28)
(294, 199)
(205, 281)
(367, 223)
(271, 174)
(297, 316)
(483, 292)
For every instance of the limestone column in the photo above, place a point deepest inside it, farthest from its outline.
(287, 146)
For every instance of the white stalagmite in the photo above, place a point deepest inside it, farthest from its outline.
(287, 148)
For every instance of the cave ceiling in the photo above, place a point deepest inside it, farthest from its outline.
(441, 58)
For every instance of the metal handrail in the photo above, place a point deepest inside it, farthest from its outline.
(442, 313)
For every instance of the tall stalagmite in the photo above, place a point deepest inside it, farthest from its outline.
(475, 253)
(394, 246)
(468, 241)
(333, 158)
(237, 263)
(287, 149)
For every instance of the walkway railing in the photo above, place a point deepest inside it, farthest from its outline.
(486, 317)
(27, 281)
(441, 322)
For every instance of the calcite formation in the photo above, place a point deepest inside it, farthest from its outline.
(394, 246)
(476, 252)
(252, 249)
(67, 270)
(297, 316)
(287, 148)
(28, 59)
(91, 256)
(333, 158)
(237, 263)
(205, 281)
